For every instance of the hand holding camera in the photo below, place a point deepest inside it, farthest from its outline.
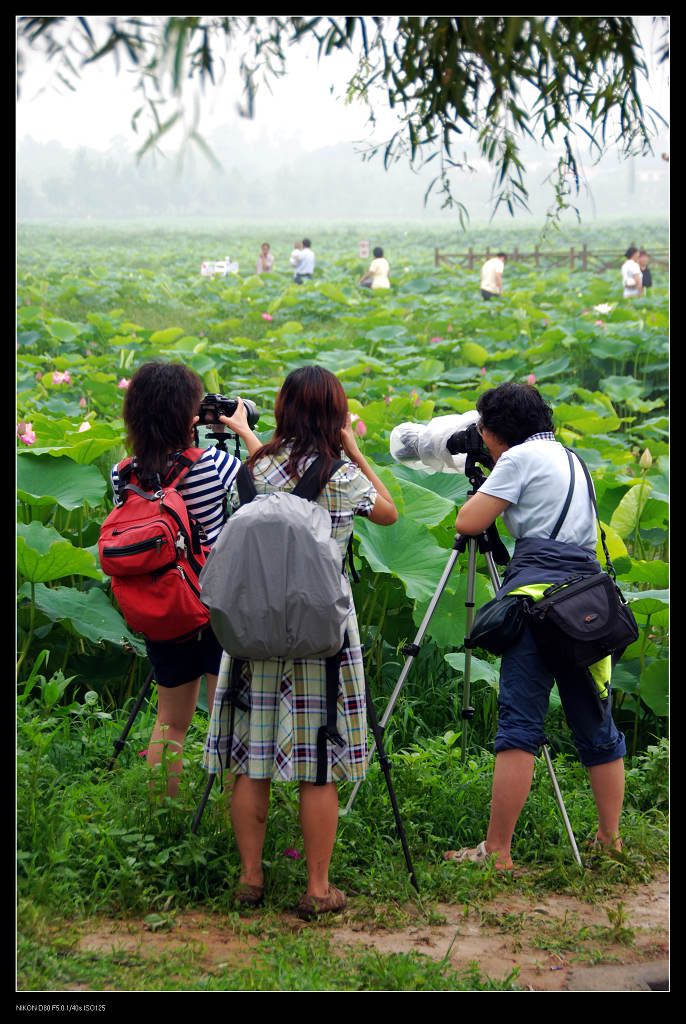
(238, 414)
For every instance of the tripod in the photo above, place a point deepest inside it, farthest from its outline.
(490, 545)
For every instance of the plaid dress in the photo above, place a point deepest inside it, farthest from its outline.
(277, 737)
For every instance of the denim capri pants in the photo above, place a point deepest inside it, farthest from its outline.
(525, 685)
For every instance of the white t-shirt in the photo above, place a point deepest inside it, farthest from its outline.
(489, 272)
(534, 478)
(380, 270)
(631, 278)
(305, 261)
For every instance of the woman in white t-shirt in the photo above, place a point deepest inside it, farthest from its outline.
(527, 486)
(632, 278)
(378, 275)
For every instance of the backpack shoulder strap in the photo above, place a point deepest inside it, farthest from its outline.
(309, 486)
(245, 485)
(183, 462)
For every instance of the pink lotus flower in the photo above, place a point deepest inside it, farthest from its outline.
(531, 379)
(436, 340)
(267, 316)
(482, 371)
(360, 428)
(290, 852)
(142, 753)
(84, 426)
(39, 376)
(416, 400)
(26, 433)
(61, 378)
(123, 384)
(83, 403)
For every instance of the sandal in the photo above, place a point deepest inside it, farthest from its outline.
(311, 906)
(249, 895)
(477, 856)
(480, 855)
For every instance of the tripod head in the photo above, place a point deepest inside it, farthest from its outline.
(219, 435)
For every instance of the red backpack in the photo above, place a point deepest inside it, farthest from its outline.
(150, 547)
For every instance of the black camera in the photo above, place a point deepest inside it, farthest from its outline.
(469, 442)
(214, 406)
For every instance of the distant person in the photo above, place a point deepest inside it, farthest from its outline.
(265, 261)
(632, 278)
(646, 276)
(302, 261)
(492, 276)
(378, 275)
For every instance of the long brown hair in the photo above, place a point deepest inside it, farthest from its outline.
(161, 401)
(310, 412)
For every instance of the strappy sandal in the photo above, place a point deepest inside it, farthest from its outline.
(311, 906)
(476, 856)
(249, 896)
(480, 855)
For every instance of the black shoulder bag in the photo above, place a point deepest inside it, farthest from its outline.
(498, 624)
(585, 618)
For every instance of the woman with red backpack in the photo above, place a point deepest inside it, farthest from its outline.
(160, 413)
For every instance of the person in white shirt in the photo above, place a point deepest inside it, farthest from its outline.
(632, 279)
(378, 275)
(527, 487)
(265, 261)
(303, 262)
(492, 276)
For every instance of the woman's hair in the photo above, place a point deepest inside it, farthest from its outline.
(310, 412)
(161, 401)
(378, 252)
(514, 412)
(630, 252)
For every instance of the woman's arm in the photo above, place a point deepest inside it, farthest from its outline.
(478, 513)
(384, 512)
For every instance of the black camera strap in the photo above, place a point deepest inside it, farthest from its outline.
(568, 499)
(608, 562)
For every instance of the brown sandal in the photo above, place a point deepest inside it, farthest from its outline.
(311, 906)
(249, 895)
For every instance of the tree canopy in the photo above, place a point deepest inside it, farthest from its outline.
(498, 79)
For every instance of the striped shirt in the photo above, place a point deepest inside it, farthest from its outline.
(204, 489)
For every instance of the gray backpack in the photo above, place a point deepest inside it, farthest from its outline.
(273, 581)
(274, 585)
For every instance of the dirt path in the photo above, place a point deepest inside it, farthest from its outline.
(557, 943)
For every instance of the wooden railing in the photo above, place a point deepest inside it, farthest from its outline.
(573, 258)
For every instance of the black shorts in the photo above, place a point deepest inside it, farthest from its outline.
(179, 663)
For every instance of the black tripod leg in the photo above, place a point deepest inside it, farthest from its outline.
(121, 742)
(201, 805)
(386, 769)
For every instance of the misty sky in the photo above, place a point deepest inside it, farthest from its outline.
(306, 108)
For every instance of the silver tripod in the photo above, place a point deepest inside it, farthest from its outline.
(487, 543)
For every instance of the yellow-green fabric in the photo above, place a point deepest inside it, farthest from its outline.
(601, 671)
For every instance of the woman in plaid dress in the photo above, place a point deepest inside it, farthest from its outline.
(276, 738)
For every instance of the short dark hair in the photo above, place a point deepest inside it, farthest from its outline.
(378, 252)
(514, 411)
(630, 251)
(502, 255)
(306, 243)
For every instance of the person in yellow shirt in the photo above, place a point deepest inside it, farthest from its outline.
(378, 275)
